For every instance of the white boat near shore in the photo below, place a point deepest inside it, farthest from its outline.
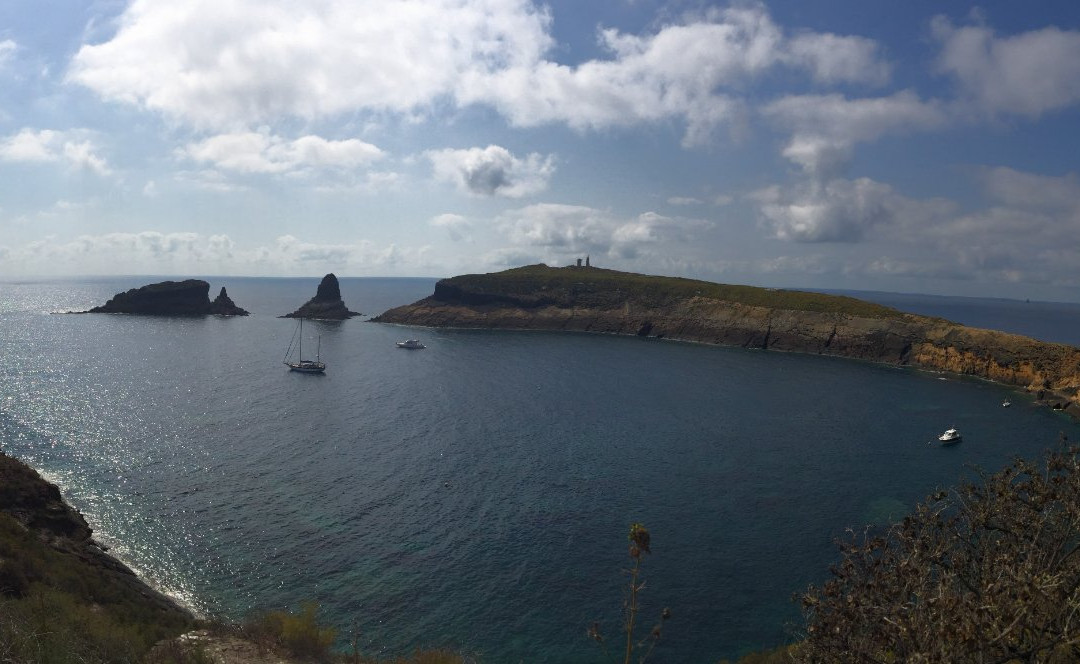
(410, 343)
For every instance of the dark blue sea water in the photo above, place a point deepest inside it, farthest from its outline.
(478, 493)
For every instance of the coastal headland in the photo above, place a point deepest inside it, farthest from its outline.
(591, 299)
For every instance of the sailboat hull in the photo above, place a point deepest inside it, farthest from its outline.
(307, 366)
(301, 365)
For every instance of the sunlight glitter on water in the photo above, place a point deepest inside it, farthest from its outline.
(483, 487)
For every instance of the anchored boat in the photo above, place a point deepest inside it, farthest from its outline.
(300, 364)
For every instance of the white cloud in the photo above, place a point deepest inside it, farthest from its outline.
(214, 64)
(798, 265)
(567, 231)
(1027, 74)
(251, 152)
(238, 64)
(72, 147)
(291, 255)
(7, 49)
(456, 225)
(891, 266)
(369, 182)
(825, 128)
(1026, 234)
(180, 253)
(493, 171)
(290, 250)
(207, 179)
(838, 59)
(100, 254)
(66, 208)
(840, 210)
(1028, 190)
(683, 200)
(679, 72)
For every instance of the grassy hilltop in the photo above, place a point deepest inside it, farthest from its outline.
(591, 286)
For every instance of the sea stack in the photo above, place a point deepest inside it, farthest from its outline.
(190, 297)
(224, 306)
(327, 303)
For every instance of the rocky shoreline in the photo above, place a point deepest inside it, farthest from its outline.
(38, 507)
(590, 299)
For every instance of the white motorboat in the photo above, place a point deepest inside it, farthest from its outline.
(1006, 403)
(950, 436)
(410, 343)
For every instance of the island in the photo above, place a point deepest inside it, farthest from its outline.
(190, 297)
(327, 303)
(591, 299)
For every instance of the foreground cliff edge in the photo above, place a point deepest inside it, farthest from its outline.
(60, 592)
(590, 299)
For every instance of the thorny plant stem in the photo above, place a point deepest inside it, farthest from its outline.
(631, 609)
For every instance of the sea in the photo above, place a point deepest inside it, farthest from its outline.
(478, 494)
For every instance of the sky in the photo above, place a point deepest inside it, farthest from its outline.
(917, 146)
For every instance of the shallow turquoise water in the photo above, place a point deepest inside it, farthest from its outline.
(476, 494)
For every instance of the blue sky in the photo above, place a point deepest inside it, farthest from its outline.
(908, 146)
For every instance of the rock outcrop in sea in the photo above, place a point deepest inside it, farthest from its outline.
(592, 299)
(190, 297)
(327, 303)
(224, 306)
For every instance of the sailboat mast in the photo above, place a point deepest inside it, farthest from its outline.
(301, 357)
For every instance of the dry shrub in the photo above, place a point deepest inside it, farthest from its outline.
(987, 573)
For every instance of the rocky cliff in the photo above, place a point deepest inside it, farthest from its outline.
(39, 509)
(327, 303)
(596, 300)
(190, 297)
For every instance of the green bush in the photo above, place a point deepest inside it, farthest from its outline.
(299, 634)
(56, 608)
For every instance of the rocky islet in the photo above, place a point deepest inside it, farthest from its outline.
(190, 297)
(327, 303)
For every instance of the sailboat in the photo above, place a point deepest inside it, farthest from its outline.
(302, 365)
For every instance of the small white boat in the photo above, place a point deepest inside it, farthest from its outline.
(1006, 403)
(950, 436)
(410, 343)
